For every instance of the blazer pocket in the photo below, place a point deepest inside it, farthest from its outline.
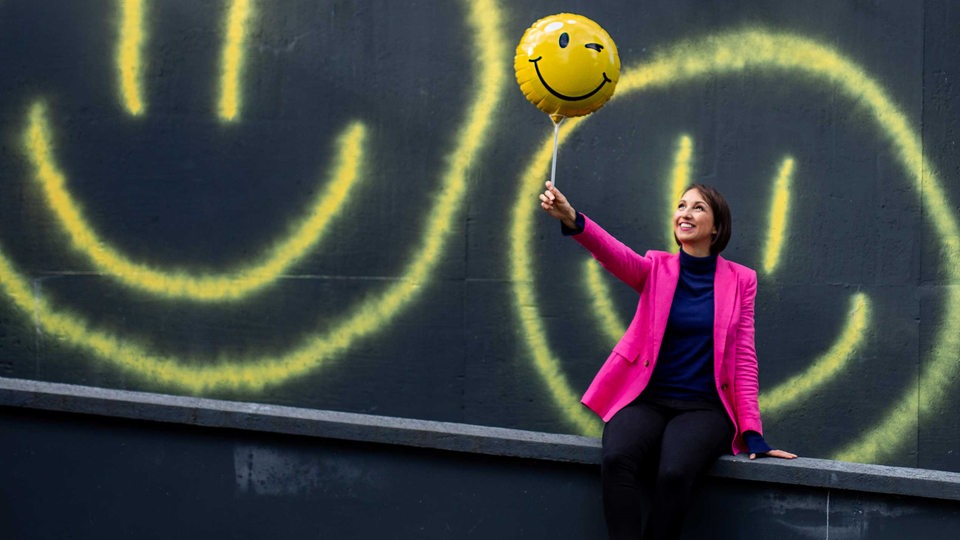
(626, 353)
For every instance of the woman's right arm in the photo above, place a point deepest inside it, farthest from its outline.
(621, 261)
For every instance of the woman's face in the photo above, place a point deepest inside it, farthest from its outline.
(693, 224)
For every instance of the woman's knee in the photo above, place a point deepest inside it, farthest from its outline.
(619, 460)
(676, 474)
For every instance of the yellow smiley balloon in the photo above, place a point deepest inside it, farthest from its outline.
(567, 65)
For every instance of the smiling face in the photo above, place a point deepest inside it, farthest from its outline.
(693, 224)
(567, 65)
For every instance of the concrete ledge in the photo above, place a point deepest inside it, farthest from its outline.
(817, 473)
(298, 421)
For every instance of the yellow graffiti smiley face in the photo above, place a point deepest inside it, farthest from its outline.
(567, 65)
(762, 52)
(231, 292)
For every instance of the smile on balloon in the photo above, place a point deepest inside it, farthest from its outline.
(562, 96)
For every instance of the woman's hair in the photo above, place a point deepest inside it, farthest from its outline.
(722, 220)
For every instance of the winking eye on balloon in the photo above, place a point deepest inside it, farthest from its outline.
(566, 65)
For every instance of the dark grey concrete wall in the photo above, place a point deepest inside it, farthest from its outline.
(434, 290)
(199, 468)
(70, 477)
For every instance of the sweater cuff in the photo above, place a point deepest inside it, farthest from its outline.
(567, 231)
(755, 443)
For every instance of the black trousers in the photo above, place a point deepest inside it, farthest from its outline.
(658, 449)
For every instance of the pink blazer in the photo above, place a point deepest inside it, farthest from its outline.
(627, 370)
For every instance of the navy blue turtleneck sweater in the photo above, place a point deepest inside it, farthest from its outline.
(685, 365)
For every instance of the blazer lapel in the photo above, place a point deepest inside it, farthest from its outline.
(724, 297)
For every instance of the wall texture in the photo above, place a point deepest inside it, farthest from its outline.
(333, 205)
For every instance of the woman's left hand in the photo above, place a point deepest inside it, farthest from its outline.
(776, 453)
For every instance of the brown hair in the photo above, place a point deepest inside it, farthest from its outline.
(722, 220)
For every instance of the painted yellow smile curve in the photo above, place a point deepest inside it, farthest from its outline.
(226, 286)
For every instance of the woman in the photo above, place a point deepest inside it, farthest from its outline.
(680, 387)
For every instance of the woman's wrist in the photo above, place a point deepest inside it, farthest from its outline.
(577, 227)
(756, 443)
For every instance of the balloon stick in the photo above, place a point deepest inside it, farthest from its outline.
(556, 135)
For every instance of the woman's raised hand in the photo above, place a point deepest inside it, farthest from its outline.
(554, 203)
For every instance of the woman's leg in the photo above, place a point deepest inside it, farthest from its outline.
(631, 443)
(692, 441)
